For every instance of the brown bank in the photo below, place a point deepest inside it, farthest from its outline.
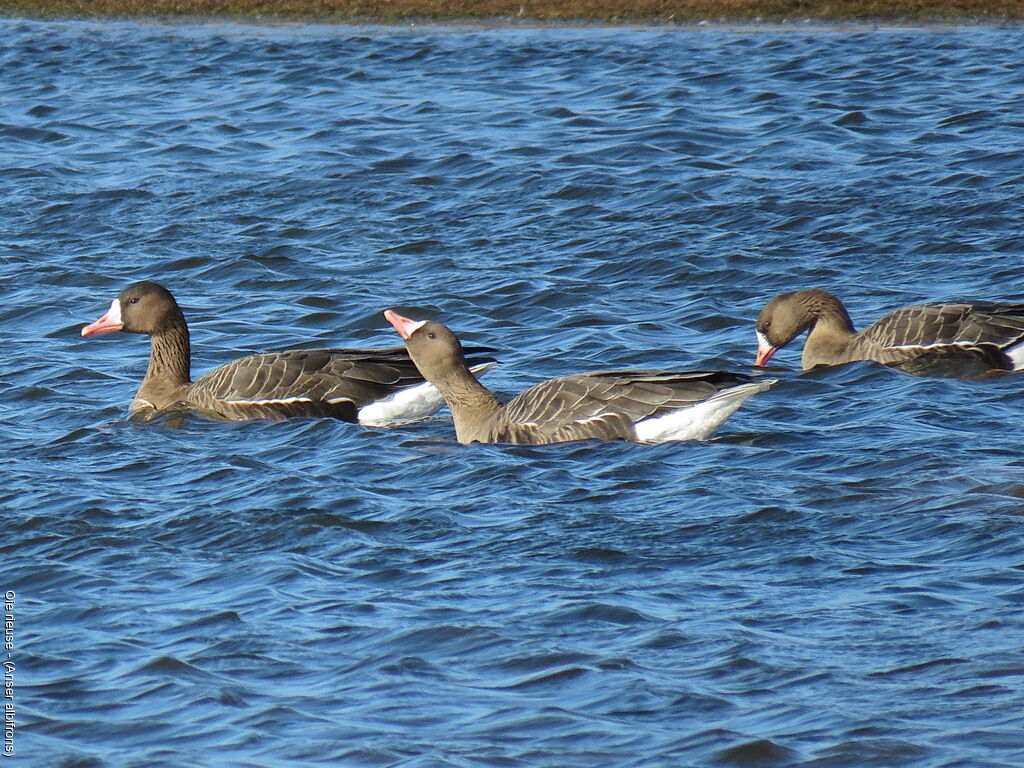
(671, 11)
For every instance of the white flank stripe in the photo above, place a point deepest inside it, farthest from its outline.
(599, 417)
(698, 422)
(278, 401)
(1015, 351)
(936, 345)
(140, 403)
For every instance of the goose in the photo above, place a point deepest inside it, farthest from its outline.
(648, 406)
(369, 386)
(975, 335)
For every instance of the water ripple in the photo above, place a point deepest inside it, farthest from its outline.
(834, 579)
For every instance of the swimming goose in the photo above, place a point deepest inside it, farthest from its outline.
(640, 405)
(990, 332)
(371, 386)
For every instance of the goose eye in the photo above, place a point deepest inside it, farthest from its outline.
(133, 300)
(431, 335)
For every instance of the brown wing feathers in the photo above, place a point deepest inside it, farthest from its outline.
(924, 325)
(947, 329)
(604, 404)
(309, 374)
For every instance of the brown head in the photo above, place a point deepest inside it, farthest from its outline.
(140, 308)
(790, 314)
(434, 349)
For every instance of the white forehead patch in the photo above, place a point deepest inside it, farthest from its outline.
(114, 313)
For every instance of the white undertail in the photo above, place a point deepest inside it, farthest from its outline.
(698, 422)
(409, 404)
(1016, 355)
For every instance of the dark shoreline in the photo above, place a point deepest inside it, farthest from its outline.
(682, 12)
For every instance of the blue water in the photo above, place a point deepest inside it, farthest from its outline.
(837, 579)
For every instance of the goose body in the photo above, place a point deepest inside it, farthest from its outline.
(371, 386)
(985, 335)
(635, 405)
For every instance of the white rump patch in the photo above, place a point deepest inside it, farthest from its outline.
(1016, 354)
(699, 421)
(409, 404)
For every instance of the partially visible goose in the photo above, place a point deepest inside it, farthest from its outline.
(990, 332)
(371, 386)
(641, 405)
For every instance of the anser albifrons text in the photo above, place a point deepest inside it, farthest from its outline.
(371, 386)
(639, 405)
(990, 332)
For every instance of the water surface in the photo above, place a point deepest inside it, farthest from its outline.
(834, 580)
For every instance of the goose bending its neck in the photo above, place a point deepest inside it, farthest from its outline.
(944, 338)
